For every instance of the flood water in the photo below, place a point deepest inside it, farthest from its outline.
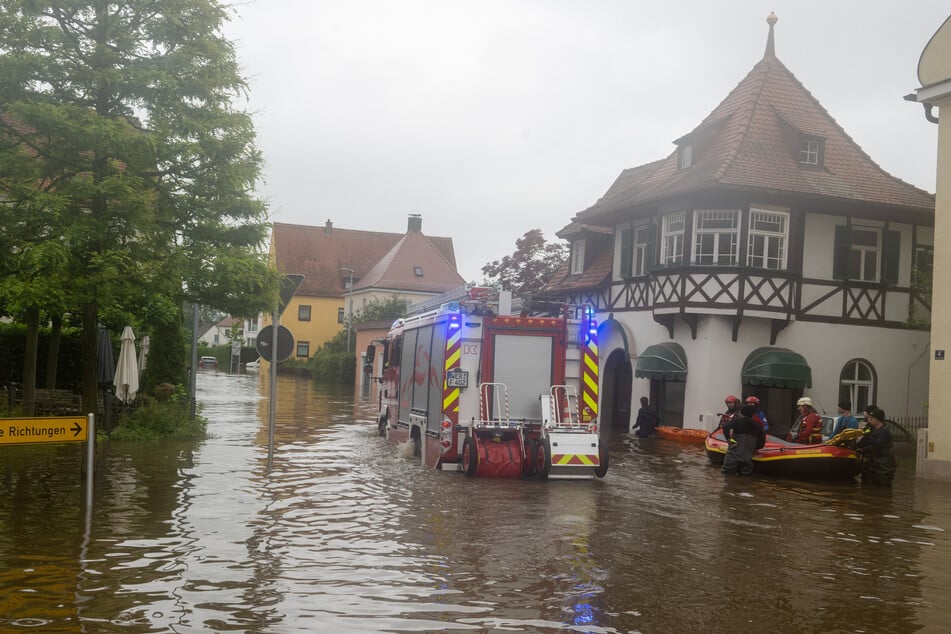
(346, 533)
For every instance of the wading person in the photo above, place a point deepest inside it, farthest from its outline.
(760, 415)
(744, 436)
(732, 410)
(646, 421)
(878, 459)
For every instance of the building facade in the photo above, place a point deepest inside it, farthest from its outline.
(767, 255)
(934, 73)
(344, 270)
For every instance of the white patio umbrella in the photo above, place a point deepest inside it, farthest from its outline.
(127, 370)
(143, 353)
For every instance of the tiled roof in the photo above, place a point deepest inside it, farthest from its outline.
(596, 273)
(576, 229)
(398, 268)
(751, 141)
(318, 253)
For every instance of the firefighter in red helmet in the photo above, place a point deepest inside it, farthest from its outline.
(732, 410)
(760, 415)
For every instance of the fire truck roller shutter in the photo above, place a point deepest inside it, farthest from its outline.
(423, 376)
(524, 365)
(434, 410)
(407, 373)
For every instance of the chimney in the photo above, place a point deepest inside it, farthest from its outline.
(329, 227)
(415, 223)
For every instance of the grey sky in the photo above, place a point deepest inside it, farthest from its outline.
(494, 117)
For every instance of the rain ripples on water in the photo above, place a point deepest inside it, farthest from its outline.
(347, 533)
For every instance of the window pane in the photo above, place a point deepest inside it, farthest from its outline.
(863, 372)
(870, 268)
(864, 238)
(863, 399)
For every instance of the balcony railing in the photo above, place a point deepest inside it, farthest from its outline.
(765, 293)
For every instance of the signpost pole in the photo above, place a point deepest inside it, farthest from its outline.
(272, 403)
(90, 455)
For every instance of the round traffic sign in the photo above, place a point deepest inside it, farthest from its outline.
(285, 343)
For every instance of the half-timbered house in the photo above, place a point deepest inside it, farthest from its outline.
(767, 255)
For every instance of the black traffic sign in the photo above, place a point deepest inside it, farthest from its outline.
(285, 343)
(289, 286)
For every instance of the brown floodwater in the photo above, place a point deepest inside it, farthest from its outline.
(345, 533)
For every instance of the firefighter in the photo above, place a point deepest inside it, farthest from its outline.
(760, 415)
(807, 430)
(744, 435)
(878, 465)
(732, 410)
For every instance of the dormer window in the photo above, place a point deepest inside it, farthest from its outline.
(577, 257)
(418, 271)
(686, 156)
(810, 151)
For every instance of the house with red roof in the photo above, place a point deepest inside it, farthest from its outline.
(766, 255)
(345, 269)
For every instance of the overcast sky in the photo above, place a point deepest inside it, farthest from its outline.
(493, 117)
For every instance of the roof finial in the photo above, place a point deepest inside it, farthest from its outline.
(770, 43)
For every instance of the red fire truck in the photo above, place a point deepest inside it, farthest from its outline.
(494, 395)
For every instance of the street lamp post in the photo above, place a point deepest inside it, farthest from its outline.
(349, 304)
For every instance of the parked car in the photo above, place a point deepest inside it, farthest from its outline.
(253, 367)
(208, 363)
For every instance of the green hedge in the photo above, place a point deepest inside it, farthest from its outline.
(334, 367)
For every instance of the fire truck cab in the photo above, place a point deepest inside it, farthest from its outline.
(494, 395)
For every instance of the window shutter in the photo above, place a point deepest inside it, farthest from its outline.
(891, 251)
(627, 245)
(840, 254)
(650, 258)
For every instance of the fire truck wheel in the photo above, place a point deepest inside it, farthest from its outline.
(528, 466)
(470, 456)
(542, 458)
(602, 469)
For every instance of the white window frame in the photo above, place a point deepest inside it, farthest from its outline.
(853, 383)
(577, 257)
(760, 239)
(686, 156)
(672, 241)
(809, 152)
(865, 253)
(726, 241)
(640, 239)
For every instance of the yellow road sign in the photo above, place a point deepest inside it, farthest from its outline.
(18, 431)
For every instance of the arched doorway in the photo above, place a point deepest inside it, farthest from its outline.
(616, 381)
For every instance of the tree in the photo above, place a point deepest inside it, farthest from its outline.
(390, 308)
(132, 158)
(530, 267)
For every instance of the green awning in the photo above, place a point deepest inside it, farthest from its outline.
(663, 361)
(777, 367)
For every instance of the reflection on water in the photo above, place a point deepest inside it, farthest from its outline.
(345, 533)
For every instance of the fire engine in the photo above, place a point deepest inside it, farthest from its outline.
(492, 394)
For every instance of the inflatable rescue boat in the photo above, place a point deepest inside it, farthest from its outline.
(831, 460)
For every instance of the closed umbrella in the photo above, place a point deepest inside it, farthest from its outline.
(127, 370)
(105, 361)
(143, 352)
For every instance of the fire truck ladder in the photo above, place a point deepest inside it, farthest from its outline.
(563, 400)
(494, 404)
